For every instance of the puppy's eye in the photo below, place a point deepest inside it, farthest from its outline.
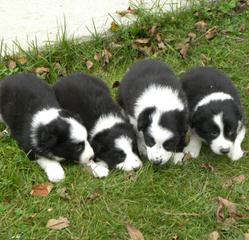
(80, 146)
(169, 145)
(119, 156)
(149, 140)
(214, 133)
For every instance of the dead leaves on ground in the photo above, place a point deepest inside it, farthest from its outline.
(234, 180)
(134, 233)
(41, 190)
(208, 167)
(211, 33)
(214, 236)
(58, 224)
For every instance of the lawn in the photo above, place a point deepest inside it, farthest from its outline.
(169, 202)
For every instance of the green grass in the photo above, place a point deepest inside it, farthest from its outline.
(161, 202)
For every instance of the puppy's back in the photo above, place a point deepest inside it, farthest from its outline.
(203, 81)
(86, 95)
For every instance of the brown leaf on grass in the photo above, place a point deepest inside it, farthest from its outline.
(142, 40)
(114, 26)
(231, 208)
(41, 70)
(115, 45)
(21, 59)
(125, 12)
(211, 33)
(207, 166)
(106, 55)
(97, 56)
(145, 50)
(58, 224)
(161, 45)
(187, 157)
(41, 190)
(131, 175)
(204, 59)
(214, 235)
(242, 28)
(246, 236)
(116, 84)
(89, 64)
(158, 37)
(201, 26)
(134, 233)
(152, 30)
(184, 50)
(230, 182)
(93, 196)
(11, 64)
(61, 71)
(63, 193)
(192, 36)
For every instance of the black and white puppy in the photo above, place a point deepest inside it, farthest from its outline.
(152, 96)
(111, 136)
(29, 108)
(216, 115)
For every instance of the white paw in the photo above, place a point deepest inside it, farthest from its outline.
(193, 151)
(236, 154)
(100, 171)
(130, 165)
(178, 157)
(55, 173)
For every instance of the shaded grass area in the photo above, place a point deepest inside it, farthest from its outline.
(162, 202)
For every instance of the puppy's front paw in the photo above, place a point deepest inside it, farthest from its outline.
(193, 151)
(100, 171)
(236, 154)
(177, 158)
(55, 173)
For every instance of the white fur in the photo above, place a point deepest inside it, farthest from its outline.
(105, 122)
(157, 153)
(194, 146)
(87, 154)
(220, 142)
(178, 157)
(236, 152)
(52, 168)
(99, 169)
(216, 96)
(131, 161)
(163, 98)
(42, 117)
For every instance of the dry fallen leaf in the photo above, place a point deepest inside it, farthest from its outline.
(214, 236)
(145, 50)
(115, 45)
(184, 50)
(201, 26)
(125, 12)
(97, 56)
(116, 84)
(142, 40)
(63, 193)
(231, 208)
(207, 166)
(107, 55)
(41, 70)
(192, 36)
(152, 30)
(114, 26)
(93, 196)
(246, 236)
(230, 182)
(42, 190)
(204, 59)
(62, 71)
(89, 64)
(21, 59)
(58, 224)
(161, 45)
(211, 33)
(134, 233)
(11, 64)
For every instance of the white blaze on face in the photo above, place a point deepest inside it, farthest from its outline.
(131, 161)
(220, 142)
(157, 153)
(78, 134)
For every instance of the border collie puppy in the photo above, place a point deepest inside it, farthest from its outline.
(152, 96)
(28, 106)
(111, 136)
(216, 115)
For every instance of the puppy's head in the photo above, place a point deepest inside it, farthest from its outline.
(117, 147)
(218, 125)
(164, 133)
(61, 136)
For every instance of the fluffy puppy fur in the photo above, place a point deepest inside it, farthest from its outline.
(216, 115)
(111, 136)
(152, 96)
(48, 134)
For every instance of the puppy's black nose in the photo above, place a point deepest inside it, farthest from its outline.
(224, 150)
(157, 162)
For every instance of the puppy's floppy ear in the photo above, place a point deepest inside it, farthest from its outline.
(96, 143)
(46, 137)
(200, 115)
(144, 118)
